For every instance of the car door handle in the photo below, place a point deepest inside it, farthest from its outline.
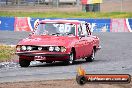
(86, 42)
(82, 40)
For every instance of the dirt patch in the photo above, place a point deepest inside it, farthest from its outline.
(60, 84)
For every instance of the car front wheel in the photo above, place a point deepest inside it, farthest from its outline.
(49, 62)
(70, 61)
(24, 63)
(91, 57)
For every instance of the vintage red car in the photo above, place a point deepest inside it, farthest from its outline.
(58, 40)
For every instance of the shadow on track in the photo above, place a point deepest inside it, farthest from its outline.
(55, 64)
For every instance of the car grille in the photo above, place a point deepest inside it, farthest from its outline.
(34, 48)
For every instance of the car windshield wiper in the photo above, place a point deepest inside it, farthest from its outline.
(55, 34)
(68, 33)
(44, 34)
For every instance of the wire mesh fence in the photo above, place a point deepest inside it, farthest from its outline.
(106, 6)
(37, 2)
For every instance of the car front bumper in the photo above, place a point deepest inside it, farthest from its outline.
(42, 54)
(49, 56)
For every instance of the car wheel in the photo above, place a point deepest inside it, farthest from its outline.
(24, 63)
(92, 57)
(70, 61)
(49, 62)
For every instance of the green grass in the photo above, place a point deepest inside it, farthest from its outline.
(55, 14)
(6, 52)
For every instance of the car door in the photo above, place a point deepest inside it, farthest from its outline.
(88, 45)
(80, 44)
(87, 40)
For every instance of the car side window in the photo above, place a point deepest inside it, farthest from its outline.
(82, 30)
(79, 30)
(88, 29)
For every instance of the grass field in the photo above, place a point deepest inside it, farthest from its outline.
(54, 14)
(6, 52)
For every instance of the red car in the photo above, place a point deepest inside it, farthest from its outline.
(58, 40)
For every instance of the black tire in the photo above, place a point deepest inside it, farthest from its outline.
(70, 61)
(24, 62)
(81, 80)
(49, 62)
(91, 57)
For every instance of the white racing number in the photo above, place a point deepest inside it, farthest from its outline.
(63, 28)
(67, 28)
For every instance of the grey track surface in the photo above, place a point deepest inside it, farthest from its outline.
(114, 57)
(11, 38)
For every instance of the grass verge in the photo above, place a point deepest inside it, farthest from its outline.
(6, 52)
(55, 14)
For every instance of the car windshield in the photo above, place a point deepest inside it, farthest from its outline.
(60, 29)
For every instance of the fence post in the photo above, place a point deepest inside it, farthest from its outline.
(78, 3)
(121, 6)
(55, 3)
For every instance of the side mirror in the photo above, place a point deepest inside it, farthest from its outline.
(30, 34)
(81, 36)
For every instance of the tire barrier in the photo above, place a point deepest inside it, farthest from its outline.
(96, 25)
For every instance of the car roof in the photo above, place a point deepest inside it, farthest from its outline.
(61, 21)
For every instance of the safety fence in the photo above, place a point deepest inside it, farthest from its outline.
(96, 25)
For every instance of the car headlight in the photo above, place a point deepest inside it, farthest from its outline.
(23, 48)
(18, 48)
(63, 49)
(29, 48)
(57, 49)
(51, 48)
(40, 48)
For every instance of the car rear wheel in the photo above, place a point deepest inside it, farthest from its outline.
(70, 61)
(92, 57)
(24, 62)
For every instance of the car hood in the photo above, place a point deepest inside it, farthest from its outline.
(48, 40)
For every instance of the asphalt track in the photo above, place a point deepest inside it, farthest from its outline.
(114, 57)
